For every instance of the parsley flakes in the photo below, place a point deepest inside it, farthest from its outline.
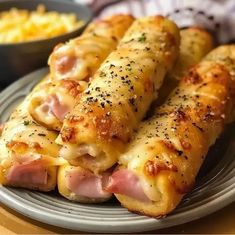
(102, 74)
(142, 38)
(26, 122)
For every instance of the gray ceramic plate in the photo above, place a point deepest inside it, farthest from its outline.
(215, 187)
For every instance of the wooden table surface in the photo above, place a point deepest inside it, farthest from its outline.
(220, 222)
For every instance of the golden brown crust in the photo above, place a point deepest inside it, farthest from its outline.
(152, 167)
(73, 88)
(68, 134)
(193, 77)
(1, 128)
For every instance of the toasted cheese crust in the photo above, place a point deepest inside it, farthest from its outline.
(168, 150)
(119, 95)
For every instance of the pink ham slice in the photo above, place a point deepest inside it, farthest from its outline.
(65, 64)
(126, 183)
(32, 173)
(54, 106)
(85, 183)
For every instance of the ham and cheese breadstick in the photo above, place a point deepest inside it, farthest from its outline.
(165, 155)
(81, 185)
(195, 43)
(75, 182)
(71, 66)
(28, 152)
(224, 56)
(79, 58)
(49, 104)
(121, 91)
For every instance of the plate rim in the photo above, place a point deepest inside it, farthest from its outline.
(112, 227)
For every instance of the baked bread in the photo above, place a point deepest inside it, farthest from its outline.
(28, 152)
(79, 58)
(195, 43)
(71, 66)
(78, 184)
(96, 131)
(161, 163)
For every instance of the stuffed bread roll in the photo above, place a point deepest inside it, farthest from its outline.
(71, 65)
(98, 128)
(78, 184)
(79, 58)
(164, 157)
(225, 55)
(195, 43)
(49, 104)
(28, 152)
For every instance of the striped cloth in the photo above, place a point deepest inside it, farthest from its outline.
(217, 16)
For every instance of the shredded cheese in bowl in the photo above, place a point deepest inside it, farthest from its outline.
(19, 25)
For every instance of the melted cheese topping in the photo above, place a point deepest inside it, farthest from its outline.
(49, 104)
(74, 61)
(80, 57)
(171, 146)
(23, 136)
(123, 88)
